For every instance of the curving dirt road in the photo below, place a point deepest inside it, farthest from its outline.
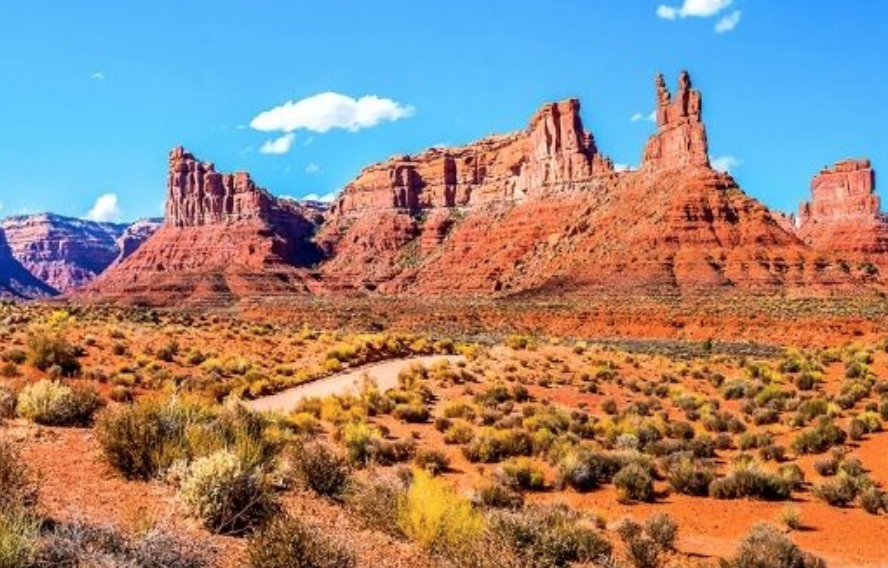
(347, 382)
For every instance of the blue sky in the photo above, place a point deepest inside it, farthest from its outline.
(94, 93)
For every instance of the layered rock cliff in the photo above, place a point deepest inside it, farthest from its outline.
(844, 214)
(540, 211)
(63, 252)
(222, 237)
(15, 280)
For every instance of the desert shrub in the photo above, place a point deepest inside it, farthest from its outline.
(413, 413)
(490, 445)
(48, 351)
(9, 370)
(872, 500)
(838, 492)
(377, 502)
(322, 468)
(645, 545)
(585, 470)
(522, 474)
(226, 496)
(18, 486)
(688, 476)
(459, 432)
(145, 439)
(435, 517)
(791, 517)
(80, 544)
(14, 355)
(287, 542)
(765, 547)
(8, 401)
(663, 530)
(360, 440)
(433, 461)
(819, 439)
(634, 483)
(750, 481)
(538, 536)
(168, 351)
(495, 494)
(19, 532)
(54, 404)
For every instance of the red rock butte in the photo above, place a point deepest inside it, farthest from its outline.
(540, 211)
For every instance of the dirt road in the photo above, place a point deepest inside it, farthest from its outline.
(385, 374)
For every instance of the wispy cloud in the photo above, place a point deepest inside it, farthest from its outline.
(702, 9)
(638, 117)
(98, 76)
(725, 163)
(1, 206)
(278, 146)
(106, 208)
(312, 169)
(326, 111)
(728, 22)
(325, 198)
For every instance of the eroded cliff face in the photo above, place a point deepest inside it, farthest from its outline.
(540, 211)
(16, 282)
(844, 215)
(550, 214)
(223, 237)
(63, 252)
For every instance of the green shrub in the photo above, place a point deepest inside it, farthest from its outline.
(634, 483)
(53, 404)
(663, 530)
(838, 492)
(538, 536)
(522, 474)
(689, 476)
(48, 351)
(322, 469)
(765, 547)
(433, 461)
(287, 542)
(8, 401)
(751, 482)
(819, 439)
(495, 494)
(224, 495)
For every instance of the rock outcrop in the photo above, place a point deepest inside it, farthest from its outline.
(134, 236)
(680, 140)
(15, 280)
(844, 215)
(63, 252)
(223, 237)
(540, 211)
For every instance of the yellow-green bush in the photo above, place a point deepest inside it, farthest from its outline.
(435, 517)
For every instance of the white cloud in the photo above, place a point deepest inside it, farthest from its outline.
(725, 163)
(326, 198)
(312, 169)
(638, 117)
(98, 76)
(278, 146)
(105, 209)
(623, 168)
(728, 22)
(326, 111)
(693, 9)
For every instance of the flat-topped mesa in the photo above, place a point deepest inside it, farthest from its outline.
(844, 214)
(848, 189)
(680, 140)
(199, 195)
(552, 151)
